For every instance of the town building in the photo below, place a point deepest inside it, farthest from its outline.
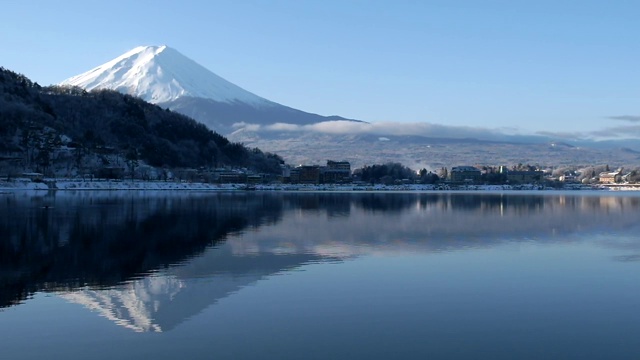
(524, 177)
(339, 165)
(610, 177)
(464, 174)
(569, 178)
(336, 172)
(228, 176)
(305, 174)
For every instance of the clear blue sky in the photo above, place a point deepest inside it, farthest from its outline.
(557, 66)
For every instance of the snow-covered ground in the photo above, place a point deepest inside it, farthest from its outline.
(22, 184)
(64, 184)
(68, 184)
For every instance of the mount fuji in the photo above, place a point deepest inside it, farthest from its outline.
(163, 76)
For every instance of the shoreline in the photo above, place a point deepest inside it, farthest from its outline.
(135, 185)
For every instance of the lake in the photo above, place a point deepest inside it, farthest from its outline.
(253, 275)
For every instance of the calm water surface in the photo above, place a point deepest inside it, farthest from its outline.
(123, 275)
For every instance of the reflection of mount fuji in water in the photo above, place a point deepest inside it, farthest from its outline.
(162, 301)
(149, 261)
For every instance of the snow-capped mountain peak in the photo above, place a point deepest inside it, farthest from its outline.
(161, 74)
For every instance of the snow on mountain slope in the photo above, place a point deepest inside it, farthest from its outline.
(161, 74)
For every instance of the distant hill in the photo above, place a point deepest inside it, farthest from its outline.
(42, 125)
(163, 76)
(416, 152)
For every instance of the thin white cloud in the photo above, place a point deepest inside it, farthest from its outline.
(631, 118)
(248, 127)
(565, 135)
(631, 131)
(389, 129)
(611, 133)
(283, 127)
(424, 129)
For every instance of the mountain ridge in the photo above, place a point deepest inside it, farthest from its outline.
(68, 131)
(163, 76)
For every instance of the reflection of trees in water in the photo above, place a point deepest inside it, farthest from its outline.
(428, 222)
(448, 221)
(384, 202)
(101, 242)
(506, 202)
(334, 204)
(102, 239)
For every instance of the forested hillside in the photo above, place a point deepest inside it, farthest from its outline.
(42, 125)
